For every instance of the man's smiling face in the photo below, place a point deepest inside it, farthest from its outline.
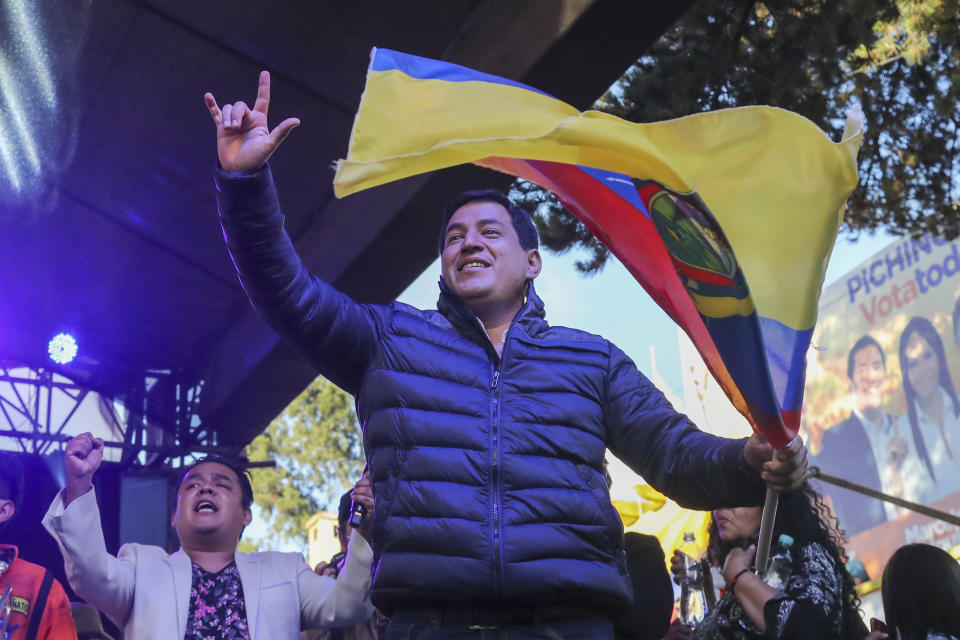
(482, 260)
(209, 510)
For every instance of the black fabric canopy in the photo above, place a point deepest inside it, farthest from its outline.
(109, 226)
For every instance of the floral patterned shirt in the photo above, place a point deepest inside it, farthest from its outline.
(217, 610)
(812, 606)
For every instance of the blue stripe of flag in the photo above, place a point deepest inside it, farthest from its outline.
(619, 183)
(786, 356)
(740, 344)
(427, 69)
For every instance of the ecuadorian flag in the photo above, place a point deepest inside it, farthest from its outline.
(696, 208)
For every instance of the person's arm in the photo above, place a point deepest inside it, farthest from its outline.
(808, 608)
(751, 592)
(57, 622)
(696, 469)
(333, 332)
(337, 335)
(73, 520)
(344, 602)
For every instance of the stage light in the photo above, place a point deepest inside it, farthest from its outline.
(62, 348)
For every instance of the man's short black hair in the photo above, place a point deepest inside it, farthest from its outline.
(235, 465)
(863, 342)
(522, 222)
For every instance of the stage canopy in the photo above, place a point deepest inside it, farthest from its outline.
(109, 226)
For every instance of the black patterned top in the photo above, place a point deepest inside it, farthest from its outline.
(812, 606)
(217, 610)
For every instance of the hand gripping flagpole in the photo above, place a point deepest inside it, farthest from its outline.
(770, 503)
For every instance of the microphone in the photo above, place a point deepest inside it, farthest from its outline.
(357, 511)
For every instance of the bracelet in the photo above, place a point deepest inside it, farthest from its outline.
(737, 577)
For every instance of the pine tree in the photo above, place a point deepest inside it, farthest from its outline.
(897, 58)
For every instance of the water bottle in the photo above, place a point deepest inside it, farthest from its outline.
(692, 601)
(781, 565)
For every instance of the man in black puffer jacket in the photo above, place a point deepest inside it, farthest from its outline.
(485, 428)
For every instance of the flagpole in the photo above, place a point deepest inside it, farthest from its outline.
(770, 503)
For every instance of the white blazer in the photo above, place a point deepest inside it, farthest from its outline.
(146, 591)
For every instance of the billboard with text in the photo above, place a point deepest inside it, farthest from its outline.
(881, 407)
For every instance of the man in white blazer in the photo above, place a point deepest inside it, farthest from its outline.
(207, 588)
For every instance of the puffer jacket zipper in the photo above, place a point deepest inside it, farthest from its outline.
(495, 440)
(495, 477)
(495, 398)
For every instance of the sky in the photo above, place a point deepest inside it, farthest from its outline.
(613, 305)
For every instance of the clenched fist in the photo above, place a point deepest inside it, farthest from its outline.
(81, 458)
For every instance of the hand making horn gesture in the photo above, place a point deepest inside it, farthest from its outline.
(244, 139)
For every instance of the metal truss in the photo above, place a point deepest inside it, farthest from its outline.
(154, 424)
(27, 400)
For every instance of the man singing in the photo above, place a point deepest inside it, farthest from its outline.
(207, 589)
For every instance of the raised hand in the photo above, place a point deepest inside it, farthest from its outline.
(81, 458)
(244, 139)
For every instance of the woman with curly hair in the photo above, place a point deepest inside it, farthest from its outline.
(818, 600)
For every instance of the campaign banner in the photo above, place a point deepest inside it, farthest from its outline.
(882, 408)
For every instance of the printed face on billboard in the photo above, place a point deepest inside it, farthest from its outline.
(882, 409)
(869, 378)
(921, 366)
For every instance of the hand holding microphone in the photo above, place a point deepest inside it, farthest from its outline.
(361, 505)
(357, 513)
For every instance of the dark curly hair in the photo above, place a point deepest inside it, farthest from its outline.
(803, 515)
